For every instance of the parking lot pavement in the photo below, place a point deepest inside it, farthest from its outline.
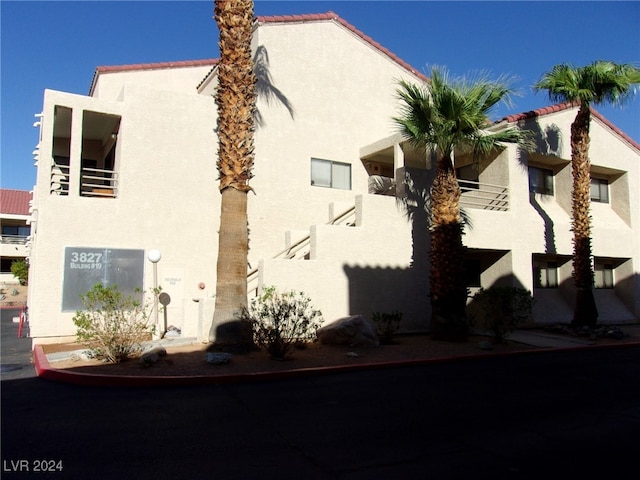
(15, 353)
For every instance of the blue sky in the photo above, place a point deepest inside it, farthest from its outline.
(58, 45)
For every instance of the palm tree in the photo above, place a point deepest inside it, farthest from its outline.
(597, 83)
(236, 101)
(445, 115)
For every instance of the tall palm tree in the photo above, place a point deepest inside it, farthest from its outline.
(236, 101)
(597, 83)
(443, 115)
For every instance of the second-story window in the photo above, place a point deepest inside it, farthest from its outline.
(326, 173)
(540, 180)
(599, 190)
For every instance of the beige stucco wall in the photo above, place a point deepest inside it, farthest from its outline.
(108, 85)
(342, 93)
(166, 200)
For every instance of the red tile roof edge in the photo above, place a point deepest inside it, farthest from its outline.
(150, 66)
(314, 17)
(565, 106)
(14, 202)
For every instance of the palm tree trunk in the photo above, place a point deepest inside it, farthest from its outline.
(448, 289)
(585, 312)
(231, 288)
(235, 98)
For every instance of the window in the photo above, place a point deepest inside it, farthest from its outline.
(603, 277)
(325, 173)
(545, 274)
(541, 180)
(599, 190)
(468, 177)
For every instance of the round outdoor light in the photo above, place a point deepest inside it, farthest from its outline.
(154, 256)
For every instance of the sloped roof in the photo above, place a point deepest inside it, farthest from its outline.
(14, 202)
(316, 17)
(149, 66)
(539, 112)
(331, 16)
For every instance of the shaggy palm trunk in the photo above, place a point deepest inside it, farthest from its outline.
(585, 311)
(448, 289)
(236, 99)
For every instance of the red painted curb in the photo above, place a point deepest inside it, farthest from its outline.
(44, 370)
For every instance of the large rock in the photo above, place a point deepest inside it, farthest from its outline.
(354, 330)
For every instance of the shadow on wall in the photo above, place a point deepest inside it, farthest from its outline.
(265, 87)
(414, 199)
(549, 232)
(547, 141)
(508, 280)
(386, 289)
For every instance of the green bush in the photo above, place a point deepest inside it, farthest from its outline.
(282, 320)
(20, 270)
(501, 309)
(112, 325)
(387, 324)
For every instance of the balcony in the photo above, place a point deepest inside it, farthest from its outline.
(484, 196)
(97, 182)
(13, 239)
(60, 179)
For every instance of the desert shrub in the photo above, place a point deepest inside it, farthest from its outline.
(280, 320)
(501, 309)
(20, 270)
(112, 325)
(387, 324)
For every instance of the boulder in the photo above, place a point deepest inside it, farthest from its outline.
(153, 354)
(353, 330)
(217, 358)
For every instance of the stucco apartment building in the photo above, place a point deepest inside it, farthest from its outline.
(130, 168)
(15, 230)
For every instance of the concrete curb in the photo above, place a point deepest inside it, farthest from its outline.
(45, 371)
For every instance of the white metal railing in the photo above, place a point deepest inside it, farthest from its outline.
(300, 249)
(97, 182)
(59, 184)
(484, 196)
(14, 239)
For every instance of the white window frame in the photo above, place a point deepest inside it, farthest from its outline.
(602, 185)
(332, 178)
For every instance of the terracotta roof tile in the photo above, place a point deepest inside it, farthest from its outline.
(564, 106)
(14, 202)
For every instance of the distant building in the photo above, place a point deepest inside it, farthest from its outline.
(131, 167)
(15, 229)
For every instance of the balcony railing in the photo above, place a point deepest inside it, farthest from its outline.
(484, 196)
(14, 239)
(97, 182)
(59, 179)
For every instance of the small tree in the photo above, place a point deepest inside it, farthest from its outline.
(20, 270)
(113, 325)
(501, 309)
(281, 320)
